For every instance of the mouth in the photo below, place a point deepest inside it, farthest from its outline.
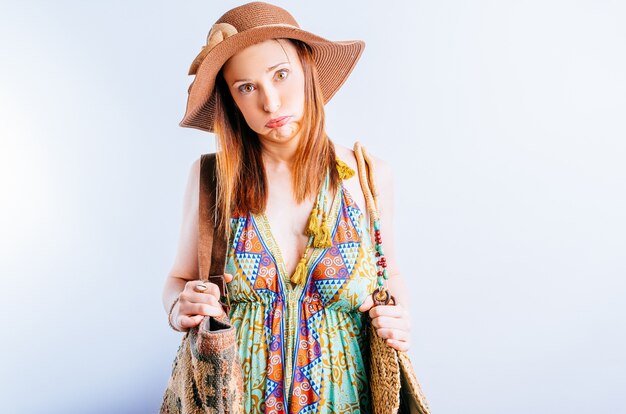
(277, 122)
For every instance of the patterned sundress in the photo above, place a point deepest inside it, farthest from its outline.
(303, 348)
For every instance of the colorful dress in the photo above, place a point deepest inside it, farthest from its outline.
(303, 347)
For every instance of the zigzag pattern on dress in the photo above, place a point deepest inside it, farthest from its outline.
(310, 409)
(339, 277)
(312, 372)
(249, 265)
(271, 387)
(349, 253)
(355, 216)
(327, 288)
(239, 226)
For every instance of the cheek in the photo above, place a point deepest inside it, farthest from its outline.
(249, 111)
(297, 96)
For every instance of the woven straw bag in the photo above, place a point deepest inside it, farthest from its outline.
(206, 373)
(394, 386)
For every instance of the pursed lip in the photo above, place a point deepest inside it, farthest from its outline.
(277, 122)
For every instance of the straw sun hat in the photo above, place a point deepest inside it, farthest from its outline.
(253, 23)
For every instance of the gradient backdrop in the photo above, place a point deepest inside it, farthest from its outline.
(504, 121)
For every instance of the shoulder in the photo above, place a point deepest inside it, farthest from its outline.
(196, 169)
(194, 173)
(383, 172)
(193, 185)
(346, 155)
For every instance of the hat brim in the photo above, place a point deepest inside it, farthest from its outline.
(335, 61)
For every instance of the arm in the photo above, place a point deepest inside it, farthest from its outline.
(386, 206)
(192, 306)
(392, 322)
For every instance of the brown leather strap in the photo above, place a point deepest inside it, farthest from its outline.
(211, 239)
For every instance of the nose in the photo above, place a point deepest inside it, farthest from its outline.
(271, 100)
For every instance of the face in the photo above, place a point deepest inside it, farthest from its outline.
(266, 82)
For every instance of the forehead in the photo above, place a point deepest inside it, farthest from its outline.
(255, 59)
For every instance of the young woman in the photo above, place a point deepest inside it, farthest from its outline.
(301, 265)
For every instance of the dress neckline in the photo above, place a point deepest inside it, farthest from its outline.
(267, 238)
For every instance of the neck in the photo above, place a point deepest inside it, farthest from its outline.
(277, 154)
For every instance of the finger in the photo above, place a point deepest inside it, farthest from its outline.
(396, 334)
(185, 322)
(399, 345)
(201, 286)
(228, 277)
(394, 311)
(390, 323)
(367, 304)
(202, 309)
(210, 288)
(195, 297)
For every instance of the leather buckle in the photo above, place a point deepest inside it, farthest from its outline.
(221, 284)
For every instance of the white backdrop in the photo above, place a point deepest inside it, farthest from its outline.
(504, 121)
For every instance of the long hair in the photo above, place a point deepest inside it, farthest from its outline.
(242, 181)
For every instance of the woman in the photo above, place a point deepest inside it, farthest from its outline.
(300, 263)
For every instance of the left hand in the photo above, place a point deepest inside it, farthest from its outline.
(392, 323)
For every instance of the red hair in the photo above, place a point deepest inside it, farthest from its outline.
(242, 183)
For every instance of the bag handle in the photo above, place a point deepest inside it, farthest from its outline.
(366, 178)
(365, 165)
(211, 239)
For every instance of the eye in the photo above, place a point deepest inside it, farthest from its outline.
(246, 88)
(282, 74)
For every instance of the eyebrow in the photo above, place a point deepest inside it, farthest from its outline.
(271, 68)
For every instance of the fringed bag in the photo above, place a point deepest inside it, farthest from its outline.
(393, 384)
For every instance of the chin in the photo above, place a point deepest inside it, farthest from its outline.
(284, 134)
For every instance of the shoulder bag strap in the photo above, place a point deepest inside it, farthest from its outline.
(211, 239)
(365, 166)
(366, 179)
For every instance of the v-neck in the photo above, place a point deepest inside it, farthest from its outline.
(266, 234)
(293, 294)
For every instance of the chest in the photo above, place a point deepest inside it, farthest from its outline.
(338, 276)
(288, 219)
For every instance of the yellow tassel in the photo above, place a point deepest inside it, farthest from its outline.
(299, 276)
(325, 238)
(322, 239)
(313, 227)
(344, 170)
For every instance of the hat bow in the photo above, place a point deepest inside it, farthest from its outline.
(218, 33)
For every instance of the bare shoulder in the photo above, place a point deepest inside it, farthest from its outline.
(193, 184)
(383, 173)
(194, 170)
(346, 155)
(186, 262)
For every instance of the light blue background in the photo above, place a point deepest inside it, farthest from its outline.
(504, 121)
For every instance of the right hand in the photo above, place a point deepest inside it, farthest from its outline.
(193, 306)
